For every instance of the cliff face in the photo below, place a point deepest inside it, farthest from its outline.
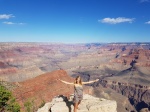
(135, 94)
(43, 88)
(88, 104)
(140, 56)
(138, 94)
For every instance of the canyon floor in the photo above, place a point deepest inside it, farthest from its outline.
(123, 69)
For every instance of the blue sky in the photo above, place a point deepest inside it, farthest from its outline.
(75, 21)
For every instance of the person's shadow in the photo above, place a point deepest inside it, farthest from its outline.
(68, 103)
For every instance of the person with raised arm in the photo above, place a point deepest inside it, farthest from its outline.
(78, 90)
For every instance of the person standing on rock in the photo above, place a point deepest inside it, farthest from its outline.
(78, 90)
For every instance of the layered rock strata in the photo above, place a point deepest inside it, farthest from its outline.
(138, 94)
(42, 88)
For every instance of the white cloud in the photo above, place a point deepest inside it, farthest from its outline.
(6, 16)
(148, 22)
(116, 20)
(21, 23)
(9, 23)
(12, 23)
(141, 1)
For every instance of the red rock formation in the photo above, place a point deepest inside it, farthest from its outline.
(140, 55)
(8, 70)
(43, 88)
(2, 65)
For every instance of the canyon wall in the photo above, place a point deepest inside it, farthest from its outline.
(138, 94)
(42, 88)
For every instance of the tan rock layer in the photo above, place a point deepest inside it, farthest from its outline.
(88, 104)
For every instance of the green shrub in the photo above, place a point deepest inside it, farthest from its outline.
(4, 97)
(13, 106)
(29, 105)
(7, 102)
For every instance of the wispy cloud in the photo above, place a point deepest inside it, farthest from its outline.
(142, 1)
(21, 23)
(12, 23)
(148, 22)
(6, 16)
(9, 23)
(116, 20)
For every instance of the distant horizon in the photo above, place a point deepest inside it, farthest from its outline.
(75, 21)
(85, 43)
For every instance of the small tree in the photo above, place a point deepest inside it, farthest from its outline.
(7, 102)
(4, 97)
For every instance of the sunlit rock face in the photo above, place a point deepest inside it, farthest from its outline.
(42, 88)
(22, 61)
(88, 104)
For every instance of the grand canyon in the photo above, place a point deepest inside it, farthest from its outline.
(30, 71)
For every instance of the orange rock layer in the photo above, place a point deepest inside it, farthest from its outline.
(43, 88)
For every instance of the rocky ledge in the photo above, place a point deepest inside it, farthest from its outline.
(88, 104)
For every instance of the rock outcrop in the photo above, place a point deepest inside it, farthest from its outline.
(88, 104)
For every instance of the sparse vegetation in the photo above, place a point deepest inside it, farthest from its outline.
(7, 101)
(29, 106)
